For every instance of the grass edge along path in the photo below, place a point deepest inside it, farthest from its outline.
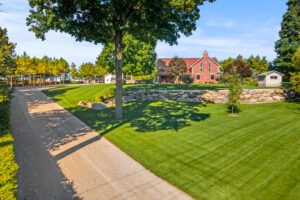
(201, 150)
(8, 166)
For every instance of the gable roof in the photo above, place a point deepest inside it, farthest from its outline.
(269, 72)
(188, 61)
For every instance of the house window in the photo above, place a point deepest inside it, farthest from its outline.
(198, 76)
(273, 77)
(201, 67)
(209, 67)
(212, 77)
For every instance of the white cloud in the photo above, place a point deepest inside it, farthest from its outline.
(55, 45)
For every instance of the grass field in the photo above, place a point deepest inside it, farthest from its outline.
(200, 149)
(8, 167)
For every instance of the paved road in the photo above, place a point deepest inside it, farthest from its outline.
(60, 157)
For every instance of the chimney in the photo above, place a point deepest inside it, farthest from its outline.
(205, 54)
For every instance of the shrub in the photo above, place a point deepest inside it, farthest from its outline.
(250, 81)
(295, 81)
(187, 79)
(287, 85)
(99, 98)
(109, 93)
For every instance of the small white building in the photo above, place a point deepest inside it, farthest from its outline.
(109, 78)
(270, 79)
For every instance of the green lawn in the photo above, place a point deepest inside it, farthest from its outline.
(8, 167)
(200, 149)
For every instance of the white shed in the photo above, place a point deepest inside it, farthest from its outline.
(270, 79)
(109, 78)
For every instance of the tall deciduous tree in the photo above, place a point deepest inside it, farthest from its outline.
(74, 72)
(87, 71)
(289, 40)
(296, 60)
(139, 58)
(258, 65)
(7, 55)
(108, 21)
(176, 68)
(240, 67)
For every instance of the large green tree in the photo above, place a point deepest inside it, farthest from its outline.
(87, 71)
(7, 55)
(108, 21)
(177, 68)
(289, 40)
(257, 64)
(240, 67)
(74, 72)
(139, 57)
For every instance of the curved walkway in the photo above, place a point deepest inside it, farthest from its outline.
(60, 157)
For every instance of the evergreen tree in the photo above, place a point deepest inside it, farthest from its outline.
(289, 40)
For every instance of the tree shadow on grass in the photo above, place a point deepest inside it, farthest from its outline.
(144, 116)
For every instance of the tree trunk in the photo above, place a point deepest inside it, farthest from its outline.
(119, 82)
(11, 82)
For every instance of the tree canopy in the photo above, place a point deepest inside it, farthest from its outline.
(176, 67)
(108, 21)
(257, 64)
(7, 54)
(296, 60)
(139, 58)
(240, 67)
(289, 40)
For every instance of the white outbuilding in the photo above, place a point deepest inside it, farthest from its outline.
(270, 79)
(109, 78)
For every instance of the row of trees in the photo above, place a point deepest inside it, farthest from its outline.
(88, 71)
(35, 71)
(24, 70)
(256, 64)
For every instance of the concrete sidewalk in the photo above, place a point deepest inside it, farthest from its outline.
(62, 158)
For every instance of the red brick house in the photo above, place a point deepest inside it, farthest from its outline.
(202, 70)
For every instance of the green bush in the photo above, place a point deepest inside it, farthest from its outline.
(287, 85)
(109, 93)
(8, 167)
(295, 81)
(250, 81)
(99, 98)
(187, 79)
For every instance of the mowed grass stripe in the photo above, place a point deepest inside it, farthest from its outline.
(254, 156)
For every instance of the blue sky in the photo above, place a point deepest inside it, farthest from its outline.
(226, 28)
